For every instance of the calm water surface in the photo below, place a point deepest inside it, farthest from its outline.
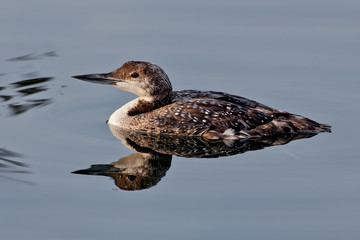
(299, 56)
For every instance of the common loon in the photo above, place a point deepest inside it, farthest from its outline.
(209, 114)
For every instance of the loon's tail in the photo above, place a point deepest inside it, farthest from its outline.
(306, 125)
(282, 124)
(287, 123)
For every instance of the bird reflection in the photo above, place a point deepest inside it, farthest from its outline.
(145, 168)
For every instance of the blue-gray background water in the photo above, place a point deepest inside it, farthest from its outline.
(299, 56)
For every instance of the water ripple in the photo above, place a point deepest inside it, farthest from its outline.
(30, 92)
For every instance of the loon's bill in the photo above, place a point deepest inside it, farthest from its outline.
(100, 78)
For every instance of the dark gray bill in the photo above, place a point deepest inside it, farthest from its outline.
(101, 78)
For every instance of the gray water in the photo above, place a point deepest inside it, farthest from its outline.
(299, 56)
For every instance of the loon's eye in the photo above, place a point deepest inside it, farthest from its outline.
(134, 75)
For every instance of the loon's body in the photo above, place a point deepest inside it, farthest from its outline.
(212, 115)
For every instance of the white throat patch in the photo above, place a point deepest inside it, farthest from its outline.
(126, 86)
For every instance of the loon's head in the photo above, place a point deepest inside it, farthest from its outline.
(141, 78)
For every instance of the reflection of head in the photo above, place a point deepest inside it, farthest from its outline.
(132, 182)
(135, 172)
(148, 174)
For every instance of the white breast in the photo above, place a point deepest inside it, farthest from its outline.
(120, 117)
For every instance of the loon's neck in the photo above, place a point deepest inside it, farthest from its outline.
(123, 115)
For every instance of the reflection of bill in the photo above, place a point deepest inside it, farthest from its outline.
(145, 168)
